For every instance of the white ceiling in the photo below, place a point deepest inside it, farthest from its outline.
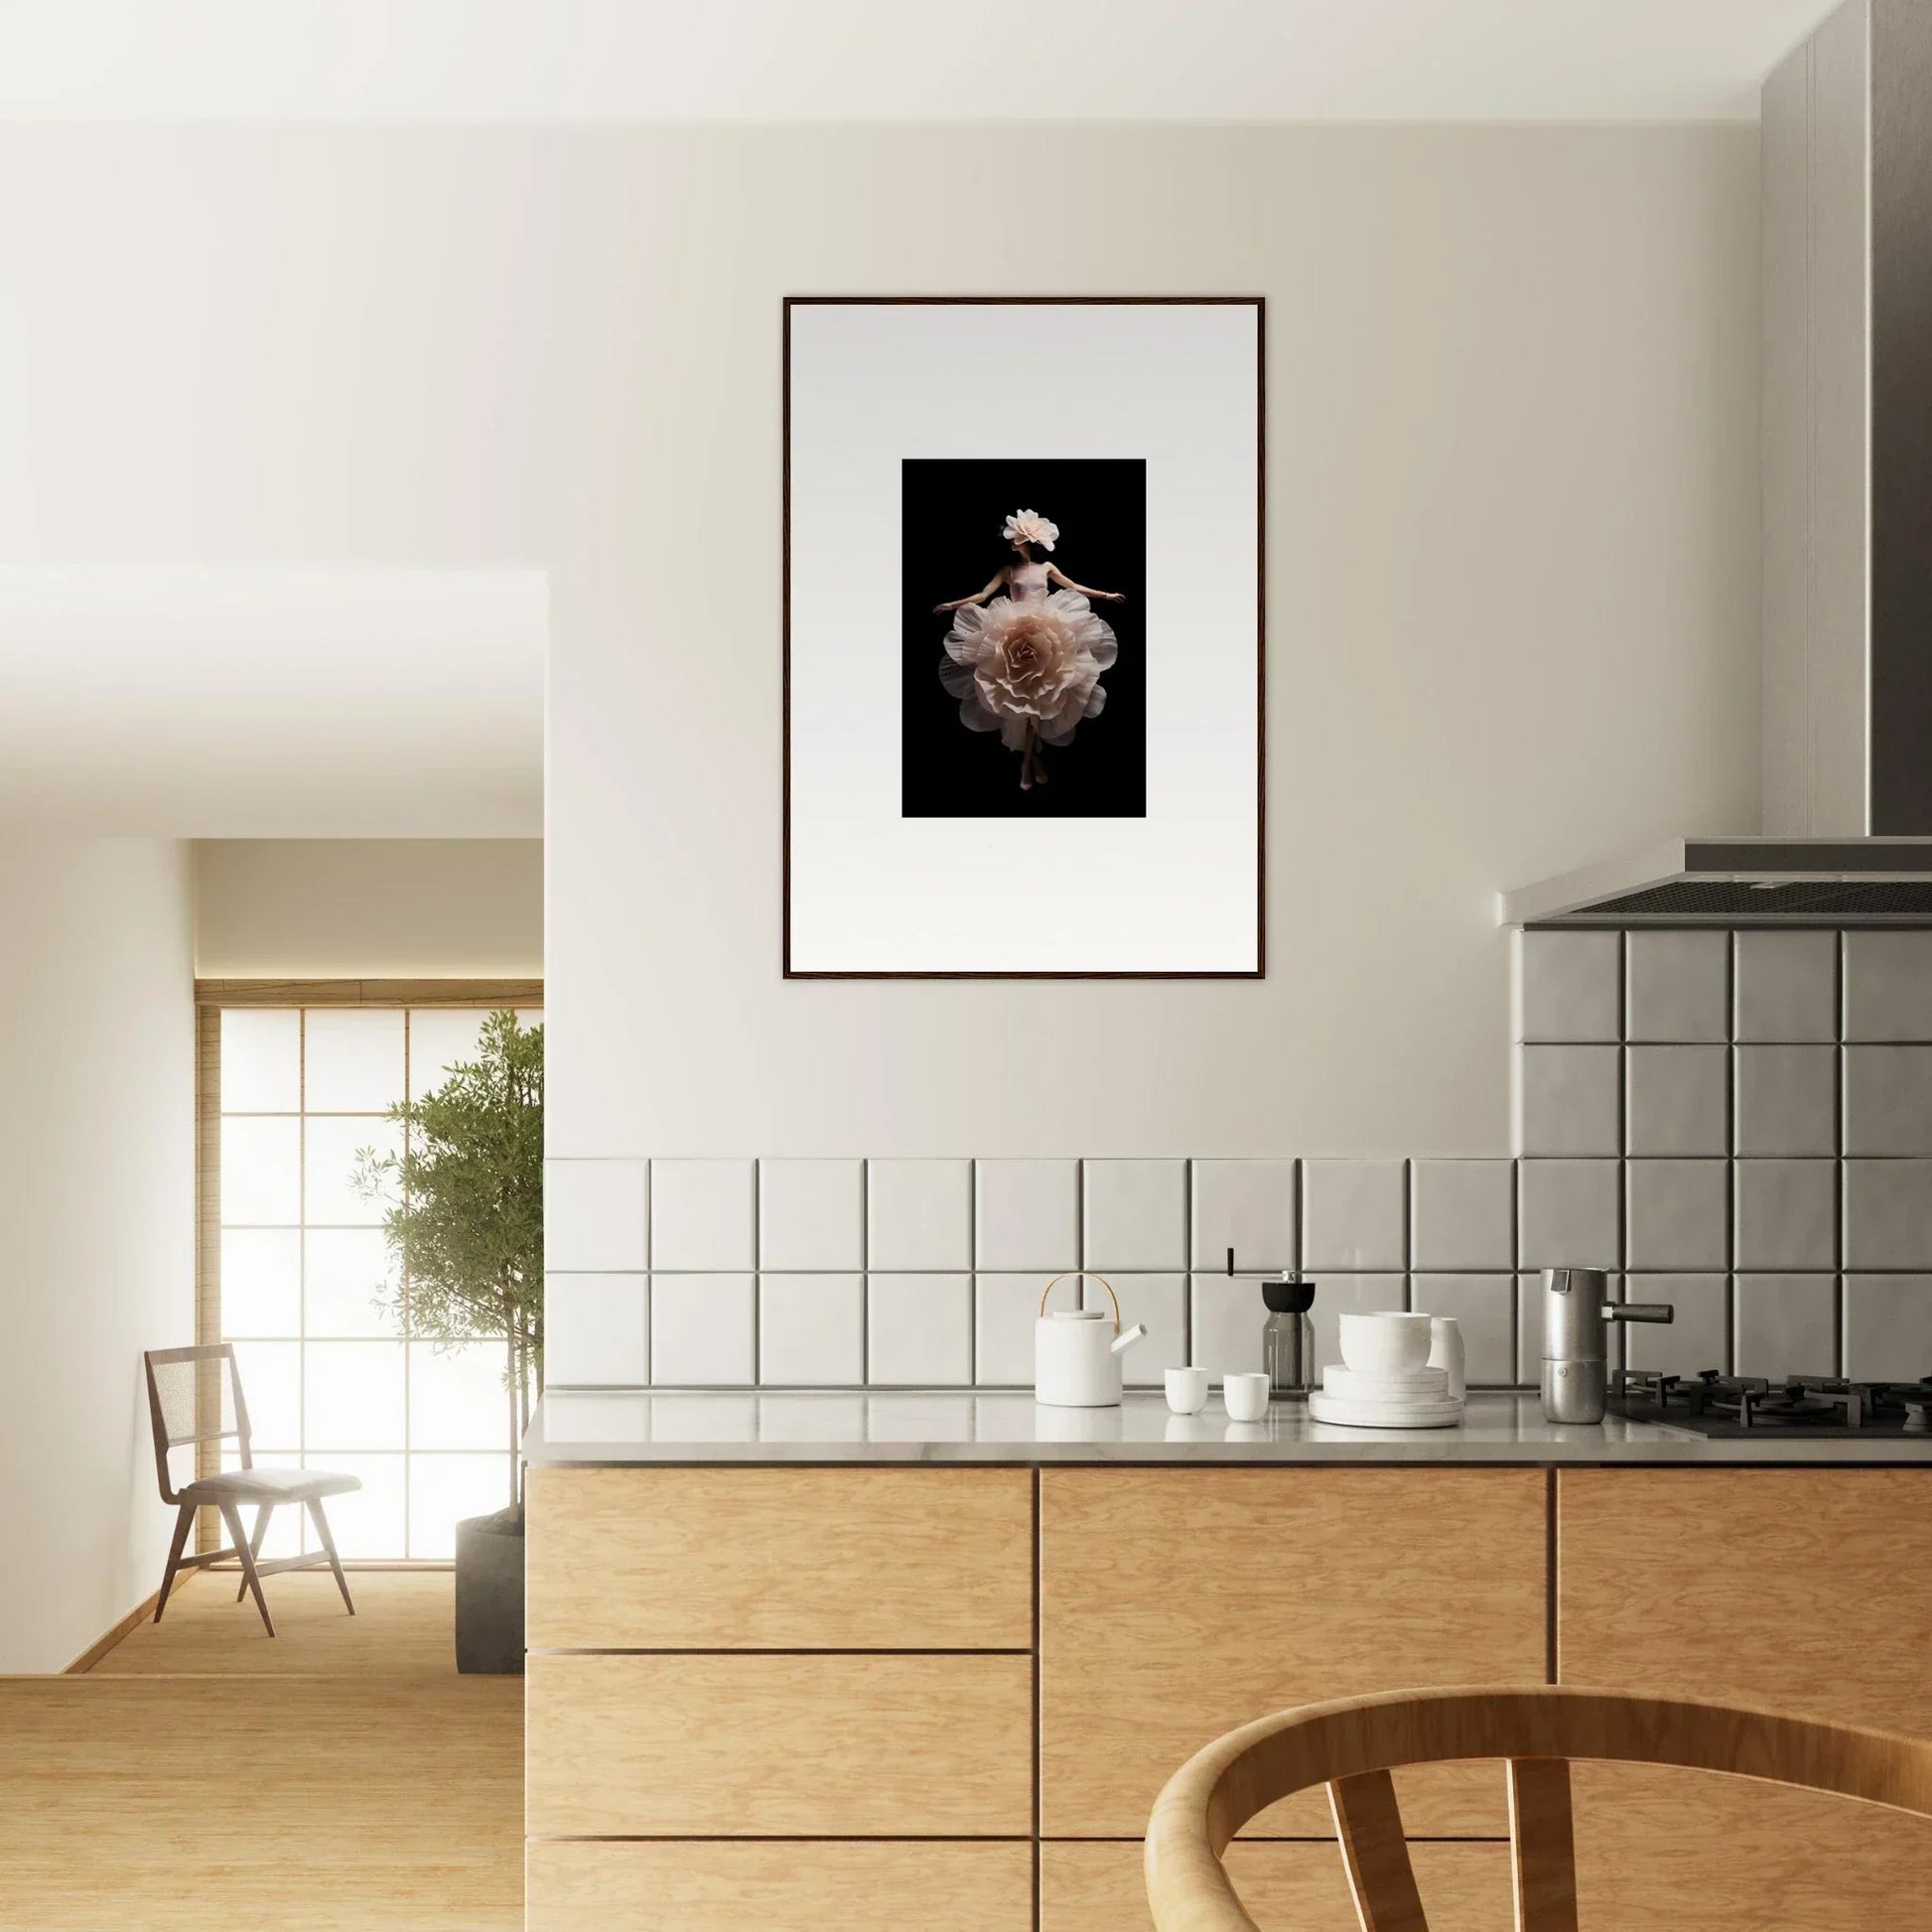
(893, 60)
(188, 703)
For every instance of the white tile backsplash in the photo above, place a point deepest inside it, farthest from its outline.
(811, 1215)
(1462, 1214)
(702, 1330)
(1159, 1301)
(1246, 1205)
(596, 1331)
(703, 1215)
(1004, 1308)
(811, 1329)
(1135, 1214)
(1355, 1214)
(594, 1216)
(919, 1330)
(920, 1214)
(1026, 1214)
(1225, 1319)
(1484, 1307)
(1732, 1118)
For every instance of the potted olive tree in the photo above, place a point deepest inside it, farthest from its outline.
(462, 1214)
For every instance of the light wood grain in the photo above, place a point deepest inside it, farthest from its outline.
(1223, 1785)
(1809, 1589)
(306, 1804)
(780, 1559)
(1375, 1854)
(756, 1746)
(369, 993)
(798, 1887)
(1286, 1886)
(1542, 1843)
(404, 1626)
(1176, 1604)
(1732, 1855)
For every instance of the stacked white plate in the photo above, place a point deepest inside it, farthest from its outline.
(1375, 1393)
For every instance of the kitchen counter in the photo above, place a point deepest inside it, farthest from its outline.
(958, 1425)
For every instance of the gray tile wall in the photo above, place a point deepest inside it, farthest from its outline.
(1739, 1124)
(1742, 1122)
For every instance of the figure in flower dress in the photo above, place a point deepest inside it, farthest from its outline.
(1027, 664)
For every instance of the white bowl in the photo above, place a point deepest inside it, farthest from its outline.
(1383, 1343)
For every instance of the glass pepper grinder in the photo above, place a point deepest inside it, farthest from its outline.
(1288, 1337)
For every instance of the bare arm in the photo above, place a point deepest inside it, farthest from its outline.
(1057, 576)
(977, 596)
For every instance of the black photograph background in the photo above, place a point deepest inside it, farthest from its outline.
(954, 511)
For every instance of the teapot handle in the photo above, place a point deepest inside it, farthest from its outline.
(1083, 1275)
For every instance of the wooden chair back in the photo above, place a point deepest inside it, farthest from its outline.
(195, 1396)
(1352, 1745)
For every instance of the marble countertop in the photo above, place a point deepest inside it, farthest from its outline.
(623, 1426)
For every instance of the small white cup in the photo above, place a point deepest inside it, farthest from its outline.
(1186, 1390)
(1246, 1396)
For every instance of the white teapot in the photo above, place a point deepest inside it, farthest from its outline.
(1077, 1351)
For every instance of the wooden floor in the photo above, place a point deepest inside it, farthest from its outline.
(341, 1776)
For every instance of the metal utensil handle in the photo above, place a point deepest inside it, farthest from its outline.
(1639, 1311)
(1083, 1275)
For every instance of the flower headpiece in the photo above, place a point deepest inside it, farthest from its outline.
(1029, 527)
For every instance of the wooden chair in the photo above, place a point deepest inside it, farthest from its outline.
(195, 1396)
(1352, 1745)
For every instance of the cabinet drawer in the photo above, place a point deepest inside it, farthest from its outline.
(756, 1746)
(780, 1559)
(815, 1887)
(1175, 1604)
(1099, 1888)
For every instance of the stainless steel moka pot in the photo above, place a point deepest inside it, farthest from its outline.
(1576, 1317)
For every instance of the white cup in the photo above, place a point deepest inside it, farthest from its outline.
(1246, 1396)
(1186, 1390)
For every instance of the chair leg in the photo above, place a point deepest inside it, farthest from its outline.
(262, 1513)
(183, 1522)
(329, 1544)
(231, 1515)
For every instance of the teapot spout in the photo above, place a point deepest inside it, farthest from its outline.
(1138, 1332)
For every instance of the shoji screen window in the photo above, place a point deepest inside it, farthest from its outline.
(309, 1296)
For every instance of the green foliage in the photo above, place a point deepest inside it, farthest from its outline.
(462, 1203)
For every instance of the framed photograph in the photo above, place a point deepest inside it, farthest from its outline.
(1023, 643)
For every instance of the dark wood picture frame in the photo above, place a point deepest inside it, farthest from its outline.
(1254, 302)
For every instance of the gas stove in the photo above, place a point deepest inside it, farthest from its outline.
(1714, 1405)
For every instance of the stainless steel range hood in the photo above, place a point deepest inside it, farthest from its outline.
(1845, 158)
(1741, 882)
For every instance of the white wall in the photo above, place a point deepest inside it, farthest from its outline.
(98, 1200)
(1512, 554)
(350, 908)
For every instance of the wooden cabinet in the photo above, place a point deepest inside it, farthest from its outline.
(1806, 1589)
(775, 1559)
(1177, 1603)
(1287, 1883)
(799, 1888)
(752, 1746)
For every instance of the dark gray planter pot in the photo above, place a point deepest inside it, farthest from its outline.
(490, 1594)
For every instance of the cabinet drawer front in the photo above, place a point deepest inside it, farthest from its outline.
(777, 1747)
(780, 1559)
(1809, 1589)
(747, 1887)
(1099, 1888)
(1175, 1604)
